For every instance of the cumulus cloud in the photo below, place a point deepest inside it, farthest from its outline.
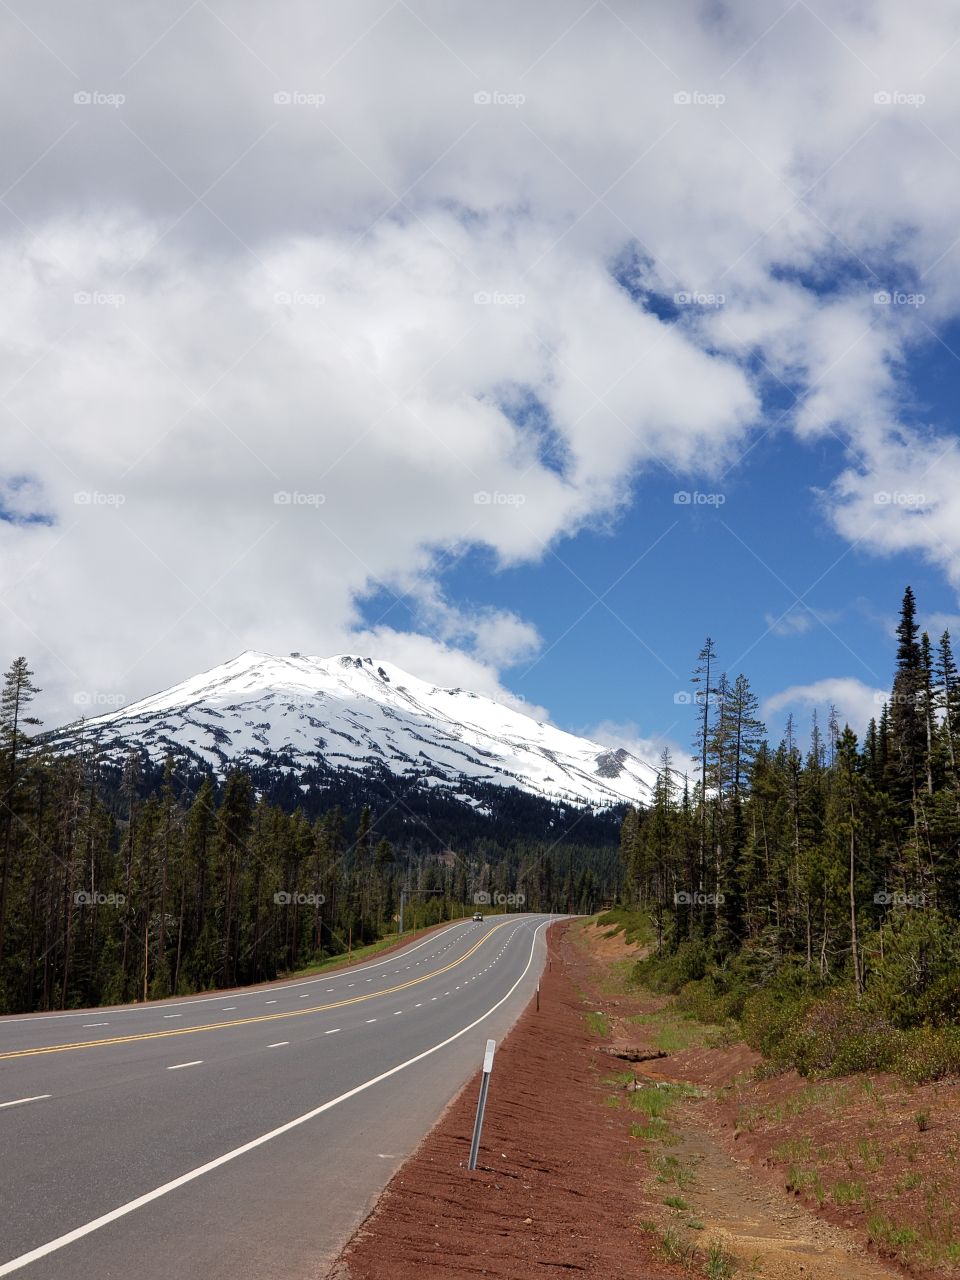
(856, 702)
(277, 287)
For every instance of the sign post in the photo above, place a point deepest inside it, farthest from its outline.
(481, 1102)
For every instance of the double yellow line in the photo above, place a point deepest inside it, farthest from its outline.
(263, 1017)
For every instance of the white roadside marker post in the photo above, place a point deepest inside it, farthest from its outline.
(481, 1103)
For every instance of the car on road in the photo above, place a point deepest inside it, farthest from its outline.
(478, 915)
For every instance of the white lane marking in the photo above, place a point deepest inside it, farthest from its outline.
(17, 1102)
(227, 1008)
(197, 1062)
(332, 1032)
(173, 1015)
(433, 997)
(96, 1024)
(78, 1233)
(242, 995)
(269, 1002)
(305, 996)
(369, 1020)
(397, 1013)
(351, 984)
(329, 989)
(278, 1044)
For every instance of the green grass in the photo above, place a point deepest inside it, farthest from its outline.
(676, 1202)
(634, 925)
(599, 1024)
(882, 1231)
(670, 1169)
(674, 1032)
(806, 1181)
(655, 1130)
(721, 1264)
(656, 1100)
(872, 1154)
(847, 1192)
(674, 1248)
(621, 1078)
(360, 954)
(794, 1150)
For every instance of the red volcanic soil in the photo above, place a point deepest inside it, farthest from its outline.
(553, 1192)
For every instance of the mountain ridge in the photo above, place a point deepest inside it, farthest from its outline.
(360, 713)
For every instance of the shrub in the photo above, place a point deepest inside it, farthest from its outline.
(836, 1036)
(927, 1054)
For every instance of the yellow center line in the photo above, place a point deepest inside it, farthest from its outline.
(263, 1017)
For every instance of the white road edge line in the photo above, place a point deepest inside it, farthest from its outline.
(61, 1242)
(197, 1062)
(19, 1101)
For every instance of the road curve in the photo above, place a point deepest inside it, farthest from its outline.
(245, 1134)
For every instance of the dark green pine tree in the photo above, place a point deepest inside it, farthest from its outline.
(948, 707)
(907, 730)
(15, 698)
(703, 677)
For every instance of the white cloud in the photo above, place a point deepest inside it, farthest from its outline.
(856, 702)
(799, 620)
(442, 258)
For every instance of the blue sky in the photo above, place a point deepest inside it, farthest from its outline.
(668, 575)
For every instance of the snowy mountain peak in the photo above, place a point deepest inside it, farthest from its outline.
(357, 713)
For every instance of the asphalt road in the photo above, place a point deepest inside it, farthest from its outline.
(248, 1134)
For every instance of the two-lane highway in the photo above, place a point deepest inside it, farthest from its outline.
(243, 1134)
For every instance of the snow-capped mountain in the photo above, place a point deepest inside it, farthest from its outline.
(356, 713)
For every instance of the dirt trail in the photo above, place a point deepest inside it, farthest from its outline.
(773, 1236)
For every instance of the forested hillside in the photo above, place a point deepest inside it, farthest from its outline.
(815, 893)
(123, 884)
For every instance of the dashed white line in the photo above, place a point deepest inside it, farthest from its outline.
(278, 1044)
(228, 1008)
(96, 1024)
(18, 1102)
(369, 1020)
(397, 1013)
(173, 1015)
(269, 1002)
(332, 1032)
(178, 1066)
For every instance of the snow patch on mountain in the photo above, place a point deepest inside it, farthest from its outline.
(356, 713)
